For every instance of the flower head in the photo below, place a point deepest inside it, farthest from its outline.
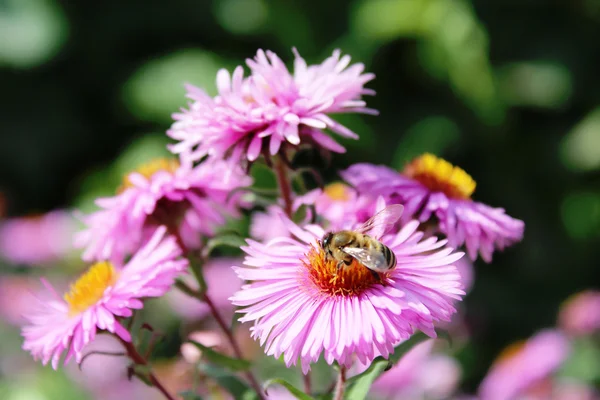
(101, 295)
(431, 187)
(271, 109)
(580, 313)
(523, 366)
(302, 305)
(163, 192)
(39, 239)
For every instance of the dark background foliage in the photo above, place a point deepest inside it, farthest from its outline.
(509, 90)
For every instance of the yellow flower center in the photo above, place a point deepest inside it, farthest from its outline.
(337, 191)
(439, 175)
(511, 351)
(149, 169)
(90, 287)
(349, 280)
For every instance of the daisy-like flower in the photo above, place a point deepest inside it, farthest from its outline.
(272, 108)
(37, 240)
(302, 306)
(580, 314)
(525, 368)
(432, 187)
(98, 298)
(162, 192)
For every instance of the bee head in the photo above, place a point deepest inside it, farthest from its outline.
(326, 240)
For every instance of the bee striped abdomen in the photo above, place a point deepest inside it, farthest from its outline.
(390, 257)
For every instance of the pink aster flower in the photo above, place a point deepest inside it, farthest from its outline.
(580, 313)
(525, 367)
(302, 306)
(162, 192)
(420, 374)
(35, 240)
(431, 187)
(98, 298)
(271, 109)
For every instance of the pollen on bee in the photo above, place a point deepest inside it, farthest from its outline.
(349, 280)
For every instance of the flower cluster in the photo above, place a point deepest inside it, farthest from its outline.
(346, 272)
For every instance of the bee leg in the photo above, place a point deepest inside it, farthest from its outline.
(340, 264)
(375, 275)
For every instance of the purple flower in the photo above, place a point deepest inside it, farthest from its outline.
(162, 192)
(523, 366)
(302, 305)
(431, 187)
(95, 301)
(37, 240)
(580, 313)
(271, 109)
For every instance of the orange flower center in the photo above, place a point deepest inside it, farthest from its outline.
(439, 175)
(90, 287)
(511, 351)
(349, 280)
(150, 168)
(337, 191)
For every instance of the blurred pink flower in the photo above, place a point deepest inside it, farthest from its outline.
(268, 225)
(431, 187)
(17, 293)
(569, 389)
(222, 283)
(271, 109)
(420, 374)
(35, 240)
(98, 298)
(193, 354)
(525, 366)
(340, 205)
(302, 305)
(580, 313)
(337, 206)
(162, 192)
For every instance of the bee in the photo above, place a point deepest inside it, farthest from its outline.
(344, 246)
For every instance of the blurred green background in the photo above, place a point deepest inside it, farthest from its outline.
(509, 90)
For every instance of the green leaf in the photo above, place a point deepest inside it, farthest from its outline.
(233, 364)
(189, 395)
(229, 382)
(359, 385)
(227, 239)
(297, 393)
(143, 373)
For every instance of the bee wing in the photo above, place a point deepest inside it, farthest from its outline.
(380, 222)
(370, 258)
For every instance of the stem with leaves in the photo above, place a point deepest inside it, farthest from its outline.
(139, 360)
(203, 297)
